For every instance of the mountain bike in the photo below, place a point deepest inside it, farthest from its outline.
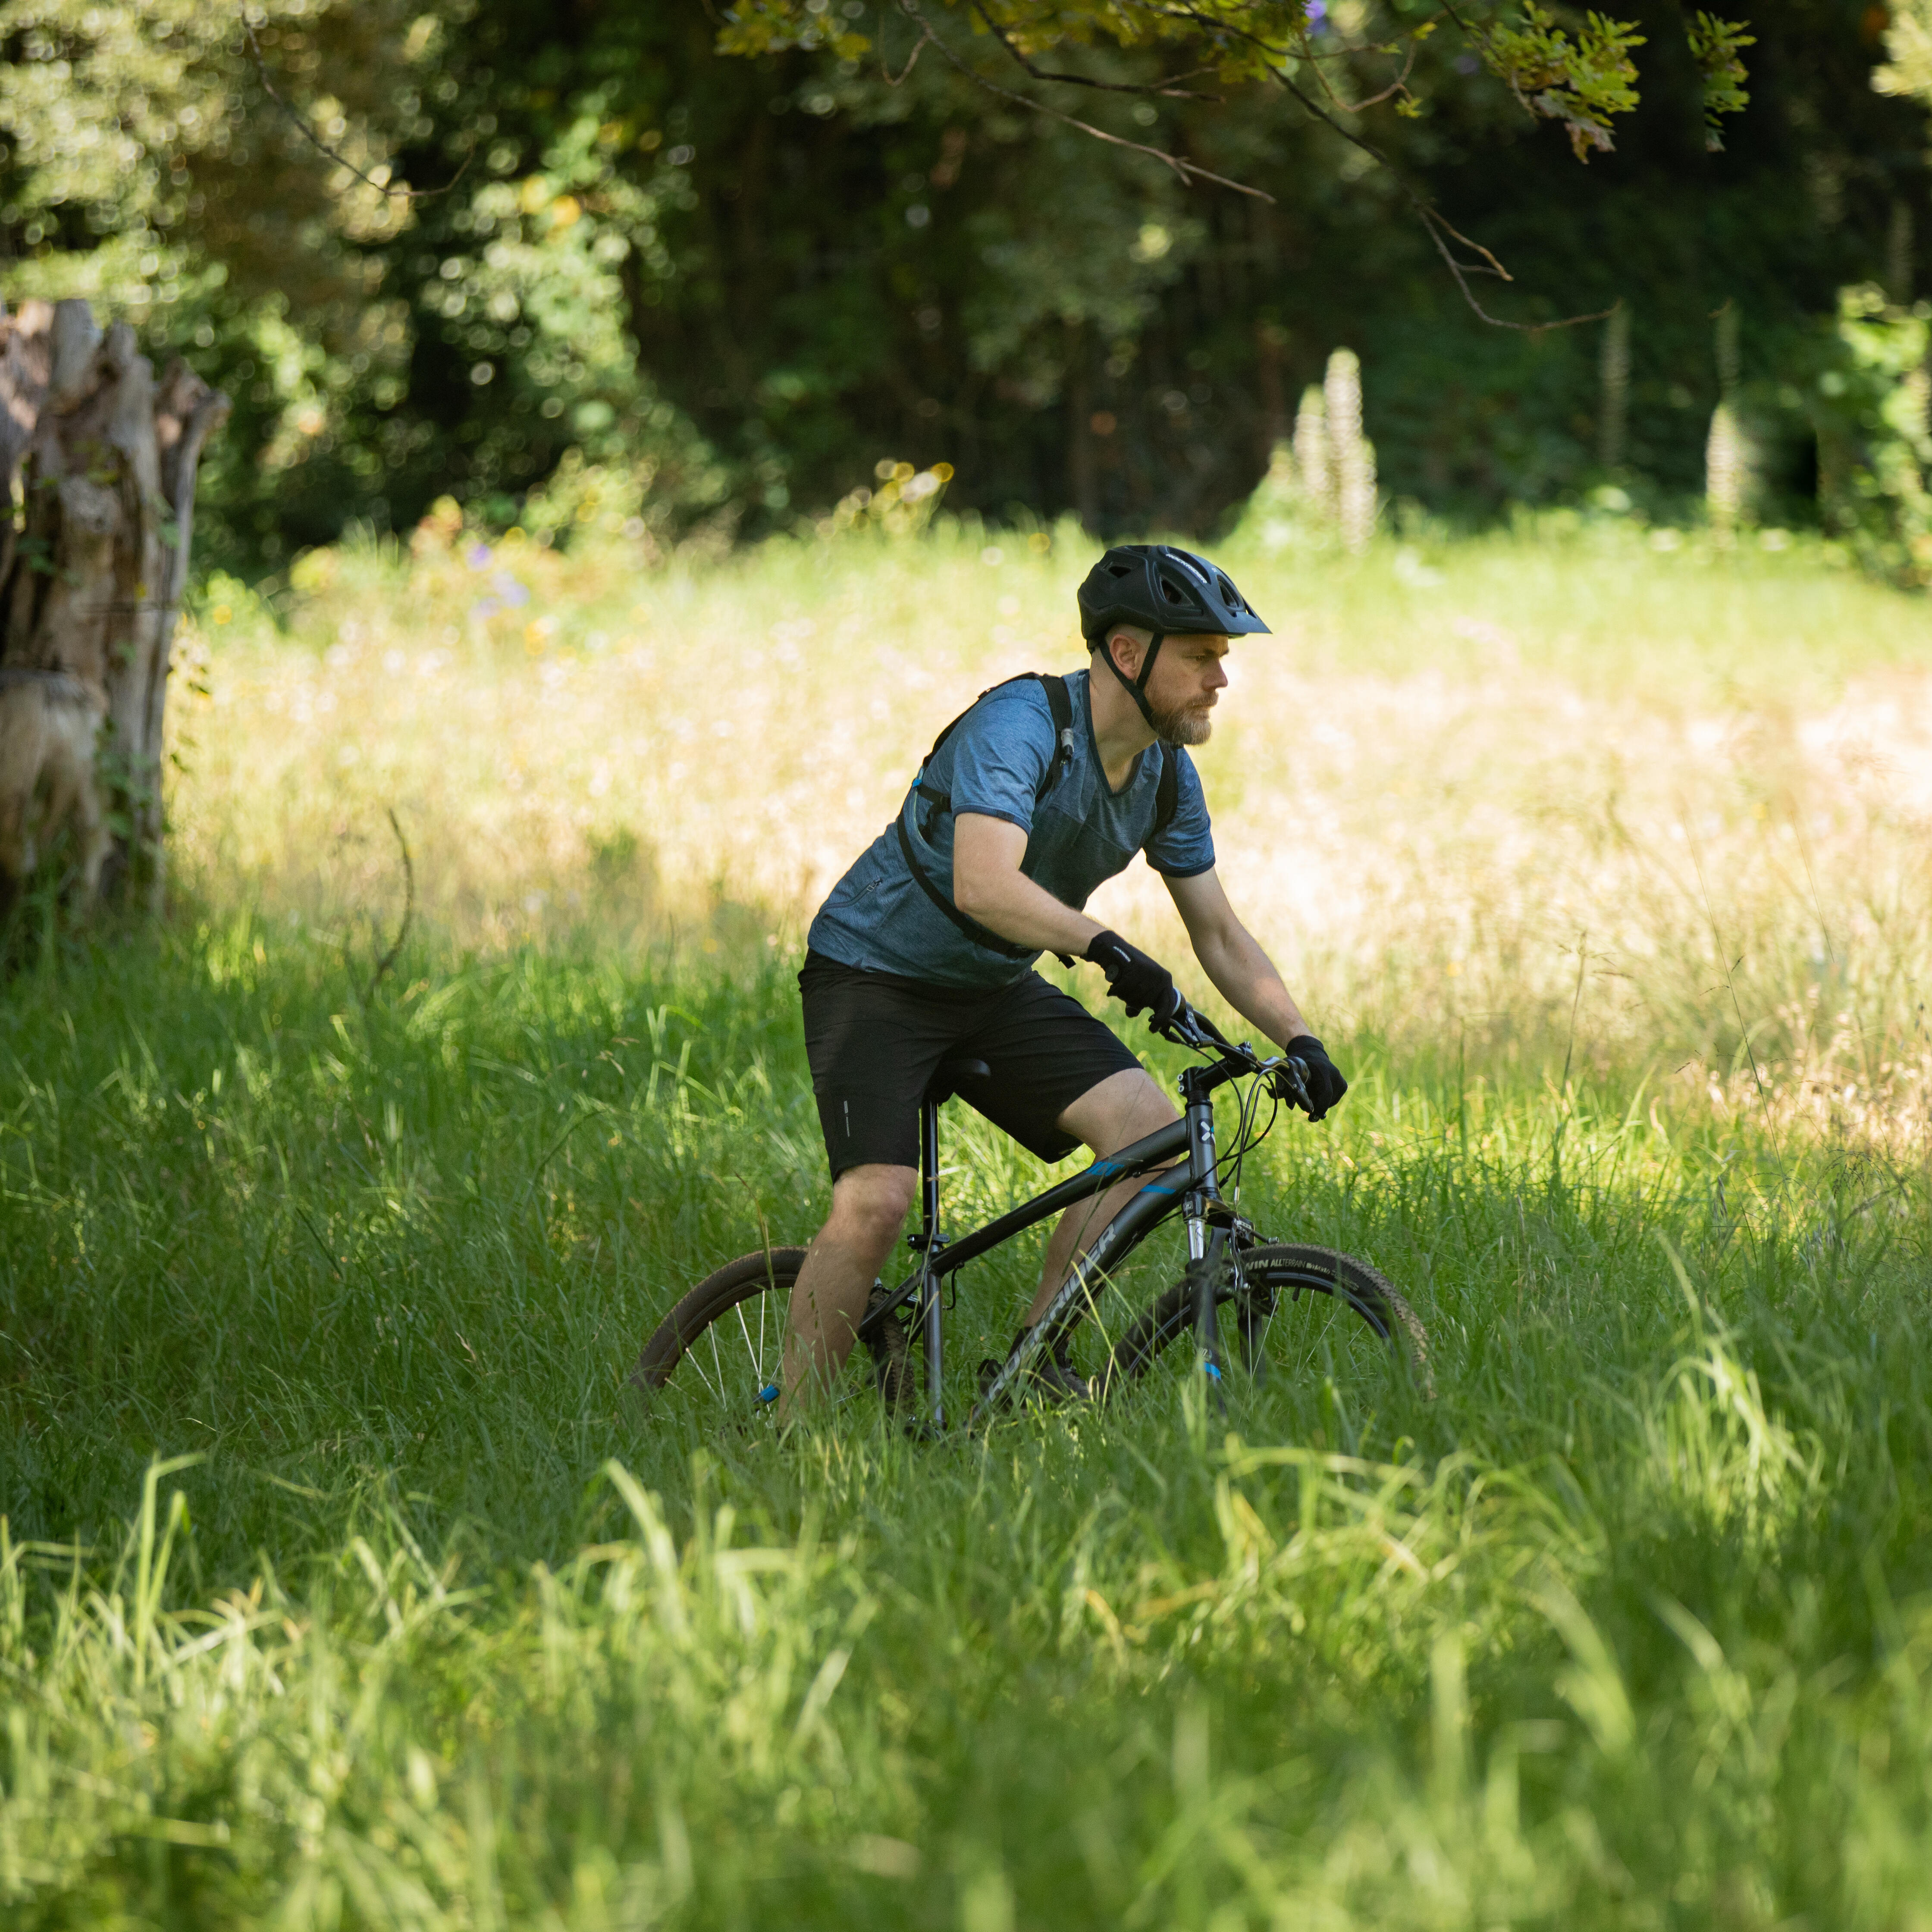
(717, 1355)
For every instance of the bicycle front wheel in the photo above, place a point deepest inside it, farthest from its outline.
(1296, 1307)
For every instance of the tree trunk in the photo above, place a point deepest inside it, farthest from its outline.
(90, 583)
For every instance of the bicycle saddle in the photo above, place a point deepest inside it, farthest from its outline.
(949, 1074)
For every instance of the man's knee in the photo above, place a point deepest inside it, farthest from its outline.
(870, 1203)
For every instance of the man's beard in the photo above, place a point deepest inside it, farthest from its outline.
(1186, 724)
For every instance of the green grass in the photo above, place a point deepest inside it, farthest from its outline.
(1630, 1627)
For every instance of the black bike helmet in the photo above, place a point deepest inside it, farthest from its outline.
(1171, 592)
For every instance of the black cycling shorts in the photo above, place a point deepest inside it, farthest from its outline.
(874, 1040)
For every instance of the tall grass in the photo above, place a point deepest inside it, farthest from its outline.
(335, 1590)
(1455, 779)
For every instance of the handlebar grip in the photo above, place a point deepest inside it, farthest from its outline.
(1295, 1070)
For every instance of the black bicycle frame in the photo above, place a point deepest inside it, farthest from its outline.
(1185, 1187)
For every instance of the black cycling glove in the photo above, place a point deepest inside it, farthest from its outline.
(1323, 1078)
(1139, 983)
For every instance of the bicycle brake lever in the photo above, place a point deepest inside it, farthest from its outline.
(1181, 1030)
(1293, 1071)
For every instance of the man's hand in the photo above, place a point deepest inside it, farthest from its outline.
(1324, 1078)
(1139, 983)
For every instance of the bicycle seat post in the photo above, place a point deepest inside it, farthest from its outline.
(929, 1172)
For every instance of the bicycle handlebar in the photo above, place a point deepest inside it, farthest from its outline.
(1191, 1027)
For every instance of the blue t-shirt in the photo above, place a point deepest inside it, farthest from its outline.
(878, 917)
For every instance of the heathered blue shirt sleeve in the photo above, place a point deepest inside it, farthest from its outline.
(1000, 756)
(1187, 847)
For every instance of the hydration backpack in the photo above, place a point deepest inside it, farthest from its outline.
(1060, 702)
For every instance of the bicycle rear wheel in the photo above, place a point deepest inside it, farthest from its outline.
(1353, 1318)
(715, 1359)
(717, 1355)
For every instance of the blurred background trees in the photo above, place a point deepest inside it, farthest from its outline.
(643, 285)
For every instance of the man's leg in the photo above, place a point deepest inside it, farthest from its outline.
(869, 1208)
(1124, 1107)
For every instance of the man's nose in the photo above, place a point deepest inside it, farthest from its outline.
(1217, 677)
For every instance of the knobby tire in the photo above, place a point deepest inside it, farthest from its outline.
(1276, 1275)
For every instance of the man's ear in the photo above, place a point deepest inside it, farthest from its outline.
(1127, 651)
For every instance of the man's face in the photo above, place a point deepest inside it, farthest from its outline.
(1188, 678)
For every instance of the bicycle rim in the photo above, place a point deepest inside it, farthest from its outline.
(714, 1359)
(1298, 1309)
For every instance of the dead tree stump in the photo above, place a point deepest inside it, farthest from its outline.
(93, 565)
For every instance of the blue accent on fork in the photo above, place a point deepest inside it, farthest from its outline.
(769, 1393)
(1212, 1370)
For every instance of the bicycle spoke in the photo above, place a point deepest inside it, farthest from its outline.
(751, 1349)
(697, 1369)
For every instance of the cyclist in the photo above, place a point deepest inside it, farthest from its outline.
(923, 951)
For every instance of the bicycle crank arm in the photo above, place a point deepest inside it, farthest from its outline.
(876, 1316)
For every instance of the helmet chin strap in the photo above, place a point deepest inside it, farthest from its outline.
(1136, 687)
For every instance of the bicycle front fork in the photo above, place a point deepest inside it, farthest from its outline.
(1206, 1255)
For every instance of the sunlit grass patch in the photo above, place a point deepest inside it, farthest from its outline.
(1557, 795)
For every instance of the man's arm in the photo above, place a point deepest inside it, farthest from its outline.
(987, 885)
(1229, 954)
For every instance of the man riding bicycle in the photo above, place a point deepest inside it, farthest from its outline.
(923, 951)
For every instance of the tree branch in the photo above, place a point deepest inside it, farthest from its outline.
(912, 60)
(1186, 171)
(1167, 88)
(1424, 210)
(316, 141)
(389, 959)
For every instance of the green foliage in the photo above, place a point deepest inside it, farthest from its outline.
(731, 286)
(1715, 46)
(1875, 443)
(1583, 83)
(1908, 41)
(1581, 80)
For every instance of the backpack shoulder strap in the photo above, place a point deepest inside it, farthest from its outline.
(1059, 704)
(1167, 795)
(980, 935)
(1023, 677)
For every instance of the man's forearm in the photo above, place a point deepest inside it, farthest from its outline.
(1017, 909)
(1245, 978)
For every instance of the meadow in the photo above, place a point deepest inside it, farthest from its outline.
(337, 1589)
